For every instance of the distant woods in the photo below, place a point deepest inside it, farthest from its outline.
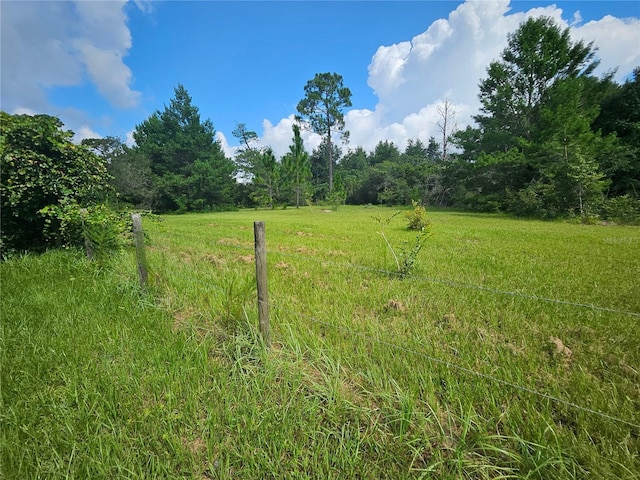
(551, 140)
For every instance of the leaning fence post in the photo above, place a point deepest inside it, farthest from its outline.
(141, 258)
(261, 280)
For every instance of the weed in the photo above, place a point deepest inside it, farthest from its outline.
(406, 256)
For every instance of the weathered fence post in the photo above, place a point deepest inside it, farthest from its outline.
(141, 258)
(261, 280)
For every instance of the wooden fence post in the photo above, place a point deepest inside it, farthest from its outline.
(141, 258)
(261, 280)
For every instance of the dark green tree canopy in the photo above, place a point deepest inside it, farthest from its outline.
(325, 97)
(539, 53)
(297, 169)
(190, 170)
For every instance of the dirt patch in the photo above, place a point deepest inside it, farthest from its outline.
(305, 250)
(559, 350)
(216, 260)
(245, 258)
(196, 446)
(515, 350)
(235, 242)
(448, 321)
(395, 305)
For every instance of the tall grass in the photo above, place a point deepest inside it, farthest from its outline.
(369, 375)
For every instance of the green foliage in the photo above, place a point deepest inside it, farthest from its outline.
(98, 228)
(325, 98)
(623, 209)
(417, 217)
(46, 180)
(189, 169)
(408, 254)
(236, 290)
(539, 53)
(267, 180)
(129, 168)
(336, 197)
(247, 154)
(545, 147)
(620, 115)
(389, 177)
(405, 256)
(297, 168)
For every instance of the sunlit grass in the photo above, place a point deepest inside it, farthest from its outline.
(369, 376)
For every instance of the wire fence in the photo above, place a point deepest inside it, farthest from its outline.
(456, 367)
(433, 359)
(446, 282)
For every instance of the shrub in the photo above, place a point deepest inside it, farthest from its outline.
(98, 228)
(418, 217)
(45, 178)
(405, 257)
(624, 209)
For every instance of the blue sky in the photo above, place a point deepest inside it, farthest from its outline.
(104, 67)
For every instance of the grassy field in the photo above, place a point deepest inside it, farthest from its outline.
(504, 355)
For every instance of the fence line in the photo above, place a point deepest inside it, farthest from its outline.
(267, 304)
(457, 367)
(451, 283)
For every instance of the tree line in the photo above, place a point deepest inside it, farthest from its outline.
(551, 140)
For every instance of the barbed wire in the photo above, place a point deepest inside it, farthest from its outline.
(244, 247)
(456, 367)
(451, 283)
(439, 360)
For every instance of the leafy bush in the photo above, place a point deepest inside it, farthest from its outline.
(46, 180)
(623, 209)
(417, 217)
(98, 228)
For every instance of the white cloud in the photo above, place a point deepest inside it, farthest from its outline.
(280, 136)
(58, 44)
(24, 111)
(228, 150)
(618, 42)
(85, 132)
(447, 61)
(128, 139)
(108, 73)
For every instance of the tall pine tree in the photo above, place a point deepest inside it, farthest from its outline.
(189, 169)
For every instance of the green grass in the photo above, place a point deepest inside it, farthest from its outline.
(368, 374)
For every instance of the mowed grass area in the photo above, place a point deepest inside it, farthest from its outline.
(368, 376)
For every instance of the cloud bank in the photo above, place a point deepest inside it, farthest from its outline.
(64, 44)
(446, 63)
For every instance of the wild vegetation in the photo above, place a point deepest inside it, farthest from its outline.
(406, 342)
(369, 375)
(551, 141)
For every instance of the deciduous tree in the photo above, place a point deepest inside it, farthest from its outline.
(538, 54)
